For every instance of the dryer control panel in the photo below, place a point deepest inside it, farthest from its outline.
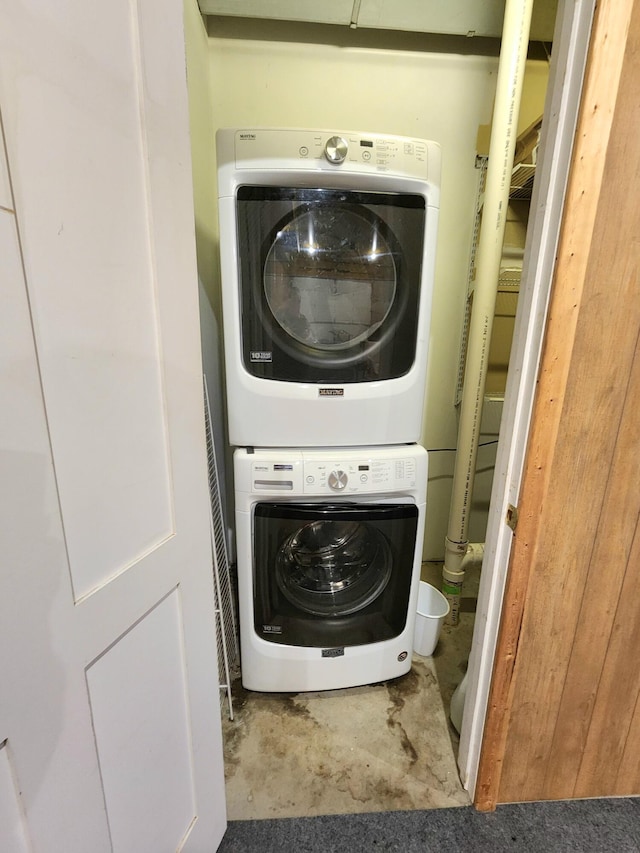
(276, 148)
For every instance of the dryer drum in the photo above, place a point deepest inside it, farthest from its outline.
(330, 277)
(333, 568)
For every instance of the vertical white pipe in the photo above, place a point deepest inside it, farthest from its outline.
(513, 55)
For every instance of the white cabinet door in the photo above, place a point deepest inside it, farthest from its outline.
(110, 732)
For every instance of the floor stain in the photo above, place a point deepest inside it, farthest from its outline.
(406, 685)
(377, 747)
(400, 690)
(405, 742)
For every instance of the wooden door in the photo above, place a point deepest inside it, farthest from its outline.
(564, 709)
(110, 732)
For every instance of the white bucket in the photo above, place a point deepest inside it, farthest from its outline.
(431, 611)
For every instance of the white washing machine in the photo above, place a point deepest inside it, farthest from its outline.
(329, 547)
(327, 245)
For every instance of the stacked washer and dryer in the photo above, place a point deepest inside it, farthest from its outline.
(327, 245)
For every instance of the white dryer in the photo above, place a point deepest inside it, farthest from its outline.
(329, 547)
(327, 245)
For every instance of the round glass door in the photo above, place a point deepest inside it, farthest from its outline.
(330, 278)
(333, 568)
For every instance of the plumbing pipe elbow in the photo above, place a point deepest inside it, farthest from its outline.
(459, 557)
(473, 556)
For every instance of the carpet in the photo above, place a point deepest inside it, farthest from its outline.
(576, 826)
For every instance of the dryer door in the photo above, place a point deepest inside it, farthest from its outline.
(332, 574)
(330, 283)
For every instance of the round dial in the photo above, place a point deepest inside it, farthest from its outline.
(338, 480)
(335, 149)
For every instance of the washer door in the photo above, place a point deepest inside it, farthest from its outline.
(330, 283)
(333, 568)
(332, 574)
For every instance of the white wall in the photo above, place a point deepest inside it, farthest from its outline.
(202, 130)
(203, 159)
(291, 75)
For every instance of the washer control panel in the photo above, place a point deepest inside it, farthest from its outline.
(360, 476)
(326, 474)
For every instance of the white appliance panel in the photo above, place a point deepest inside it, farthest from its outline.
(396, 477)
(323, 400)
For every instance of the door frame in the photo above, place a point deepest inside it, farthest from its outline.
(571, 46)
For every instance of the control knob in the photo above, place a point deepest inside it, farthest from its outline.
(335, 149)
(338, 480)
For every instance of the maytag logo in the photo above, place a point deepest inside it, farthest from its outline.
(247, 136)
(330, 392)
(333, 653)
(257, 355)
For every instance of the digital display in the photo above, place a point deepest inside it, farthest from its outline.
(278, 467)
(366, 143)
(363, 467)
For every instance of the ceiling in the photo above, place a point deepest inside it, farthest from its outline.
(471, 18)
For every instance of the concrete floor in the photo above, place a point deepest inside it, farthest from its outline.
(381, 747)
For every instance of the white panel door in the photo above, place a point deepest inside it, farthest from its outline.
(110, 734)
